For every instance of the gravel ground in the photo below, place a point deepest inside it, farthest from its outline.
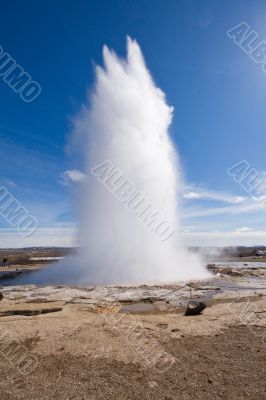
(229, 365)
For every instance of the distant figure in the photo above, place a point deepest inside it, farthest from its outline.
(4, 263)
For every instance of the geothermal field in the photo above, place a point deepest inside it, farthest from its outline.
(130, 342)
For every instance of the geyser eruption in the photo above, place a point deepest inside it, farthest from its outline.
(129, 228)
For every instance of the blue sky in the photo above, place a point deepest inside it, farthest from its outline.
(217, 90)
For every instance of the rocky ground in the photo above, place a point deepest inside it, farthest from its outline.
(91, 343)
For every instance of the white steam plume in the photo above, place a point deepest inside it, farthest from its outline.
(126, 122)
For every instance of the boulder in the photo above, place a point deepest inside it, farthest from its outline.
(195, 308)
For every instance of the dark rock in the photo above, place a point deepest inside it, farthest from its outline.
(29, 312)
(1, 296)
(195, 308)
(230, 271)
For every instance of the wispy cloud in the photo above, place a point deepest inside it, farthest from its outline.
(243, 229)
(223, 238)
(68, 237)
(250, 206)
(20, 161)
(61, 237)
(72, 175)
(194, 193)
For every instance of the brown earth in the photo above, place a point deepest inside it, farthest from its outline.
(86, 355)
(227, 366)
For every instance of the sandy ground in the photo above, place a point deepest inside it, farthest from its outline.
(133, 343)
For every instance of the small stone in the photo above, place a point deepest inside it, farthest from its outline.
(152, 384)
(195, 308)
(210, 380)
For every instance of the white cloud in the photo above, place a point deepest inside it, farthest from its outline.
(243, 229)
(223, 239)
(189, 228)
(251, 206)
(192, 196)
(72, 175)
(198, 193)
(67, 237)
(62, 237)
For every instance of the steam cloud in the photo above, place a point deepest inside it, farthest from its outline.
(122, 136)
(126, 123)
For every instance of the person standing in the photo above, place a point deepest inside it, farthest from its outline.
(4, 263)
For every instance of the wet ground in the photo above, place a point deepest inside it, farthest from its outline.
(228, 280)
